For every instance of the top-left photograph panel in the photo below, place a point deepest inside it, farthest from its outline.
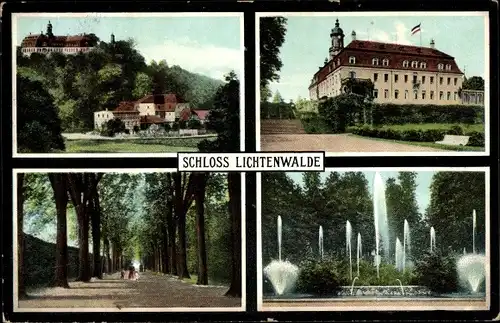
(127, 84)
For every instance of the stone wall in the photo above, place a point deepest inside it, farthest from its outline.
(385, 291)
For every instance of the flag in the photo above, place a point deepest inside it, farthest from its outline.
(415, 29)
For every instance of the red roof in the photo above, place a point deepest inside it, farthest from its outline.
(126, 106)
(185, 114)
(202, 114)
(364, 52)
(161, 99)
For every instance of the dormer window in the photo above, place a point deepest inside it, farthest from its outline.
(385, 62)
(423, 65)
(375, 61)
(440, 66)
(406, 63)
(352, 60)
(338, 61)
(414, 64)
(448, 67)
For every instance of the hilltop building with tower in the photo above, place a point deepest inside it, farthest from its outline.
(401, 74)
(49, 43)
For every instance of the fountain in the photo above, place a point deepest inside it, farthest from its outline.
(348, 239)
(380, 218)
(433, 239)
(359, 251)
(352, 286)
(281, 274)
(399, 255)
(471, 271)
(320, 243)
(401, 285)
(406, 243)
(473, 231)
(465, 251)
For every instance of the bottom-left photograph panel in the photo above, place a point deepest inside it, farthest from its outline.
(128, 240)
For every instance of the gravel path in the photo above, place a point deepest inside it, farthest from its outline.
(151, 290)
(334, 143)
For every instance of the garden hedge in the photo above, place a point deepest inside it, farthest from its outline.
(430, 135)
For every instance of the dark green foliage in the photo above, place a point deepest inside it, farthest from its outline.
(389, 113)
(430, 135)
(175, 126)
(359, 86)
(113, 127)
(315, 123)
(194, 123)
(388, 275)
(272, 36)
(279, 110)
(456, 130)
(182, 124)
(438, 272)
(473, 83)
(224, 118)
(136, 129)
(38, 125)
(321, 277)
(167, 126)
(342, 111)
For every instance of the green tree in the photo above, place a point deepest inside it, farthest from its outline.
(341, 111)
(272, 37)
(277, 98)
(473, 83)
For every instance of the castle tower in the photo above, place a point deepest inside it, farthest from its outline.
(337, 38)
(49, 30)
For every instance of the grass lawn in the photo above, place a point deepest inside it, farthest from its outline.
(426, 144)
(440, 126)
(133, 145)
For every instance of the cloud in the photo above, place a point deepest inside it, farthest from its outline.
(199, 58)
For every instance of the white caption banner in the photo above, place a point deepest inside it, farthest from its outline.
(251, 162)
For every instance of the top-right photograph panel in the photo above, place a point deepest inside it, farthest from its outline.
(368, 84)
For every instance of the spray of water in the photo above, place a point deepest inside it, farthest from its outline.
(359, 251)
(348, 240)
(380, 218)
(471, 271)
(399, 255)
(282, 275)
(406, 243)
(320, 242)
(433, 239)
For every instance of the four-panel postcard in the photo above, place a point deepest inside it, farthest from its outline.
(234, 161)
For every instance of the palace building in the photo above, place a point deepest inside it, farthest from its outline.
(401, 74)
(48, 43)
(151, 109)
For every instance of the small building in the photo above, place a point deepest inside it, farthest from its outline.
(202, 115)
(101, 117)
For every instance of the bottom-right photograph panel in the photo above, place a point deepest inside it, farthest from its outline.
(365, 239)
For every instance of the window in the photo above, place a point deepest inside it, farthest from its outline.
(415, 95)
(441, 80)
(455, 94)
(440, 95)
(352, 74)
(432, 95)
(405, 63)
(386, 93)
(396, 94)
(375, 77)
(448, 96)
(375, 93)
(440, 66)
(449, 80)
(352, 60)
(414, 64)
(375, 61)
(448, 67)
(385, 62)
(386, 77)
(338, 61)
(98, 115)
(406, 94)
(414, 79)
(396, 77)
(432, 79)
(406, 78)
(423, 65)
(423, 79)
(455, 81)
(423, 95)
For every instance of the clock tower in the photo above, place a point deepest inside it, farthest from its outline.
(337, 38)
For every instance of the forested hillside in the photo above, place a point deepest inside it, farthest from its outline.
(112, 72)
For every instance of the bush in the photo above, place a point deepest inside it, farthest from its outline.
(315, 124)
(193, 123)
(182, 124)
(417, 135)
(166, 126)
(113, 127)
(321, 276)
(437, 272)
(175, 126)
(136, 129)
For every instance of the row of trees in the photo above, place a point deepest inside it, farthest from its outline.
(341, 197)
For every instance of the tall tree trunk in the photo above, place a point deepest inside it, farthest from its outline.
(96, 235)
(200, 228)
(234, 185)
(59, 184)
(107, 256)
(21, 290)
(181, 227)
(171, 227)
(164, 246)
(83, 244)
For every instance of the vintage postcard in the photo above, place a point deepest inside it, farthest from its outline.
(128, 240)
(374, 239)
(373, 83)
(126, 84)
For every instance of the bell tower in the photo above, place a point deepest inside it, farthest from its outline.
(337, 39)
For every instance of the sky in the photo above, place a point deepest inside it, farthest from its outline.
(308, 39)
(203, 44)
(424, 179)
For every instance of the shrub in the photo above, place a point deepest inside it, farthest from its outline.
(321, 277)
(166, 126)
(456, 130)
(315, 124)
(113, 127)
(193, 123)
(182, 124)
(136, 129)
(388, 275)
(175, 126)
(437, 272)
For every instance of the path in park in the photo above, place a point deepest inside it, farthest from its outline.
(333, 143)
(151, 290)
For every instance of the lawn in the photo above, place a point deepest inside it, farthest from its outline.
(439, 126)
(167, 145)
